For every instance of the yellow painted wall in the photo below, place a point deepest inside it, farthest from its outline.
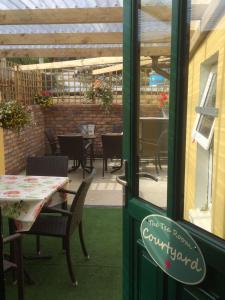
(214, 43)
(2, 160)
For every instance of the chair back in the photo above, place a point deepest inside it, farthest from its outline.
(78, 204)
(117, 128)
(51, 139)
(47, 166)
(112, 145)
(163, 141)
(87, 129)
(72, 146)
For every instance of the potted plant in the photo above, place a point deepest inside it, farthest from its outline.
(102, 92)
(13, 115)
(164, 104)
(44, 100)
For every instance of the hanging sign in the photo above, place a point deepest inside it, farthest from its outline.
(173, 249)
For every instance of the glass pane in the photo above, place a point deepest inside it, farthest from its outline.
(154, 41)
(204, 200)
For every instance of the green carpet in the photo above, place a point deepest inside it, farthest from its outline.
(100, 278)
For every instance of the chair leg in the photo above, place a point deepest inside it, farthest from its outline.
(69, 263)
(20, 272)
(82, 241)
(38, 248)
(103, 167)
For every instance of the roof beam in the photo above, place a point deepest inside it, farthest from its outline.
(209, 20)
(80, 52)
(163, 13)
(73, 63)
(62, 38)
(118, 67)
(62, 16)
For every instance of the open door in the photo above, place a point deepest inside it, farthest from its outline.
(174, 164)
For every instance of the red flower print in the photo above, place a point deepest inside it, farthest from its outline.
(167, 264)
(12, 193)
(31, 179)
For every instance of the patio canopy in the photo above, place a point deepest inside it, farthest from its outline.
(84, 28)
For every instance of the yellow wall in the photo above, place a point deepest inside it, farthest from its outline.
(2, 160)
(214, 43)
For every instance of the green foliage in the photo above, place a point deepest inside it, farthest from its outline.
(44, 100)
(13, 115)
(102, 92)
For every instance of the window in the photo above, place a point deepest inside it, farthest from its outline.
(204, 125)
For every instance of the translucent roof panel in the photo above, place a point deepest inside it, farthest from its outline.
(44, 4)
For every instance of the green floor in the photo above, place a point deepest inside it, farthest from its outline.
(98, 279)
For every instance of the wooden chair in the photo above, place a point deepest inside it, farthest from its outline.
(64, 224)
(74, 147)
(112, 149)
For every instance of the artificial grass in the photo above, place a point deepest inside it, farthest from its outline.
(100, 278)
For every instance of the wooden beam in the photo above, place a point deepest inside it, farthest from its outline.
(213, 13)
(79, 52)
(163, 13)
(62, 16)
(73, 63)
(118, 67)
(62, 38)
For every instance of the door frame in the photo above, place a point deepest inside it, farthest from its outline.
(176, 155)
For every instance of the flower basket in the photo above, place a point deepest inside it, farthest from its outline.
(13, 115)
(102, 92)
(44, 100)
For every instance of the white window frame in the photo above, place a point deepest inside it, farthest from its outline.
(196, 135)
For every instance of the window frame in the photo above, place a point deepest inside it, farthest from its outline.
(196, 134)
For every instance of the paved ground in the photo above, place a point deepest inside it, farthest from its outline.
(107, 192)
(103, 191)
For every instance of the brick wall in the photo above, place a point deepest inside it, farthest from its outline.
(29, 141)
(66, 119)
(62, 118)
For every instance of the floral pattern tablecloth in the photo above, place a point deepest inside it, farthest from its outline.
(22, 197)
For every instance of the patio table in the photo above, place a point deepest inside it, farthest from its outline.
(22, 197)
(90, 138)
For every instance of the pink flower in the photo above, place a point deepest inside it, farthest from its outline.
(12, 193)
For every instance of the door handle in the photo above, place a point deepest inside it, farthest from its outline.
(121, 179)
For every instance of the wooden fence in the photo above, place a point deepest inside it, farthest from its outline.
(70, 85)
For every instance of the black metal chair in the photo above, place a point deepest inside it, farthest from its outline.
(64, 224)
(15, 266)
(112, 148)
(74, 147)
(162, 148)
(52, 141)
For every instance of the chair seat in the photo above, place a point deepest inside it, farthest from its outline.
(49, 225)
(7, 265)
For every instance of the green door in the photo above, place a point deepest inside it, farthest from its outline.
(175, 165)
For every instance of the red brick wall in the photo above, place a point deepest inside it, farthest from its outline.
(65, 118)
(29, 141)
(62, 118)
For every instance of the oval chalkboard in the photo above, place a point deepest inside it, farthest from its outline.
(173, 249)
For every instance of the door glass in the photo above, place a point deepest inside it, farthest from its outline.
(154, 36)
(204, 195)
